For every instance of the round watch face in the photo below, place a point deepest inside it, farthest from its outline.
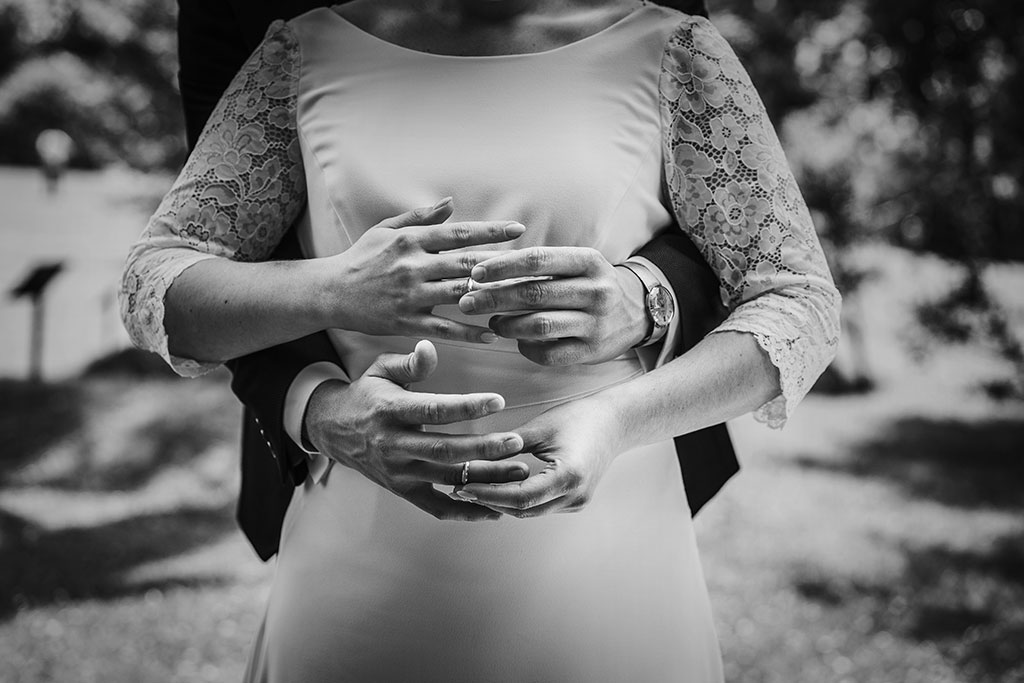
(661, 306)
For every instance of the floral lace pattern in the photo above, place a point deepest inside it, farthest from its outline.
(734, 195)
(238, 193)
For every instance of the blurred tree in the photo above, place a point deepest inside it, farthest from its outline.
(956, 65)
(102, 70)
(951, 67)
(902, 120)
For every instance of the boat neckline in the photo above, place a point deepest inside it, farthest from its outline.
(517, 55)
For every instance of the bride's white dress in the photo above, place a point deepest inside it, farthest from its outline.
(342, 129)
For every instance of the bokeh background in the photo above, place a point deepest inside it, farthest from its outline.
(878, 538)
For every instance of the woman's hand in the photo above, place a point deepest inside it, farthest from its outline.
(578, 441)
(587, 312)
(389, 281)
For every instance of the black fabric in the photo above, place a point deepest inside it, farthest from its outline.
(697, 7)
(215, 37)
(706, 457)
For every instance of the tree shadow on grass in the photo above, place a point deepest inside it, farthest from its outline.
(958, 463)
(968, 604)
(174, 439)
(34, 416)
(39, 567)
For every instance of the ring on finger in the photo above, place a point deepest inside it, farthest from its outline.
(465, 473)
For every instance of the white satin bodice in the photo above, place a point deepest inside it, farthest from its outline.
(566, 142)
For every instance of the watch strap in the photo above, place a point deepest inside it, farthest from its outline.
(655, 332)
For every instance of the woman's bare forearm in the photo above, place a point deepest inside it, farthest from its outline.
(220, 309)
(724, 376)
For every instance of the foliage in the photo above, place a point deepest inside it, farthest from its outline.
(901, 120)
(103, 70)
(917, 102)
(956, 65)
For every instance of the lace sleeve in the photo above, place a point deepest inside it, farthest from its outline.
(733, 193)
(239, 192)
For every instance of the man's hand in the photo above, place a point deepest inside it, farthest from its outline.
(374, 426)
(578, 442)
(389, 281)
(588, 312)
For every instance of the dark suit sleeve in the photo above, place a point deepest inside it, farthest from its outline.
(706, 457)
(695, 7)
(211, 50)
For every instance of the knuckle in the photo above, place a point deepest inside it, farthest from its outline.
(441, 450)
(409, 365)
(548, 356)
(543, 326)
(439, 412)
(465, 262)
(403, 240)
(460, 232)
(402, 273)
(389, 453)
(431, 411)
(458, 287)
(532, 293)
(384, 409)
(377, 442)
(536, 258)
(603, 294)
(443, 329)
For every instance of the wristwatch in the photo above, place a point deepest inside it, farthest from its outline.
(659, 303)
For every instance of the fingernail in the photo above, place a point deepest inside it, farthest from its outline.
(478, 273)
(512, 443)
(441, 203)
(495, 404)
(467, 304)
(513, 230)
(465, 495)
(488, 337)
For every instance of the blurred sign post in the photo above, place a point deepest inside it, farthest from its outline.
(33, 286)
(54, 148)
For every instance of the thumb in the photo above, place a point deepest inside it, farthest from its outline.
(411, 367)
(425, 215)
(540, 435)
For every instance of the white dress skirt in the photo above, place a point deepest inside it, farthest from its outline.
(370, 588)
